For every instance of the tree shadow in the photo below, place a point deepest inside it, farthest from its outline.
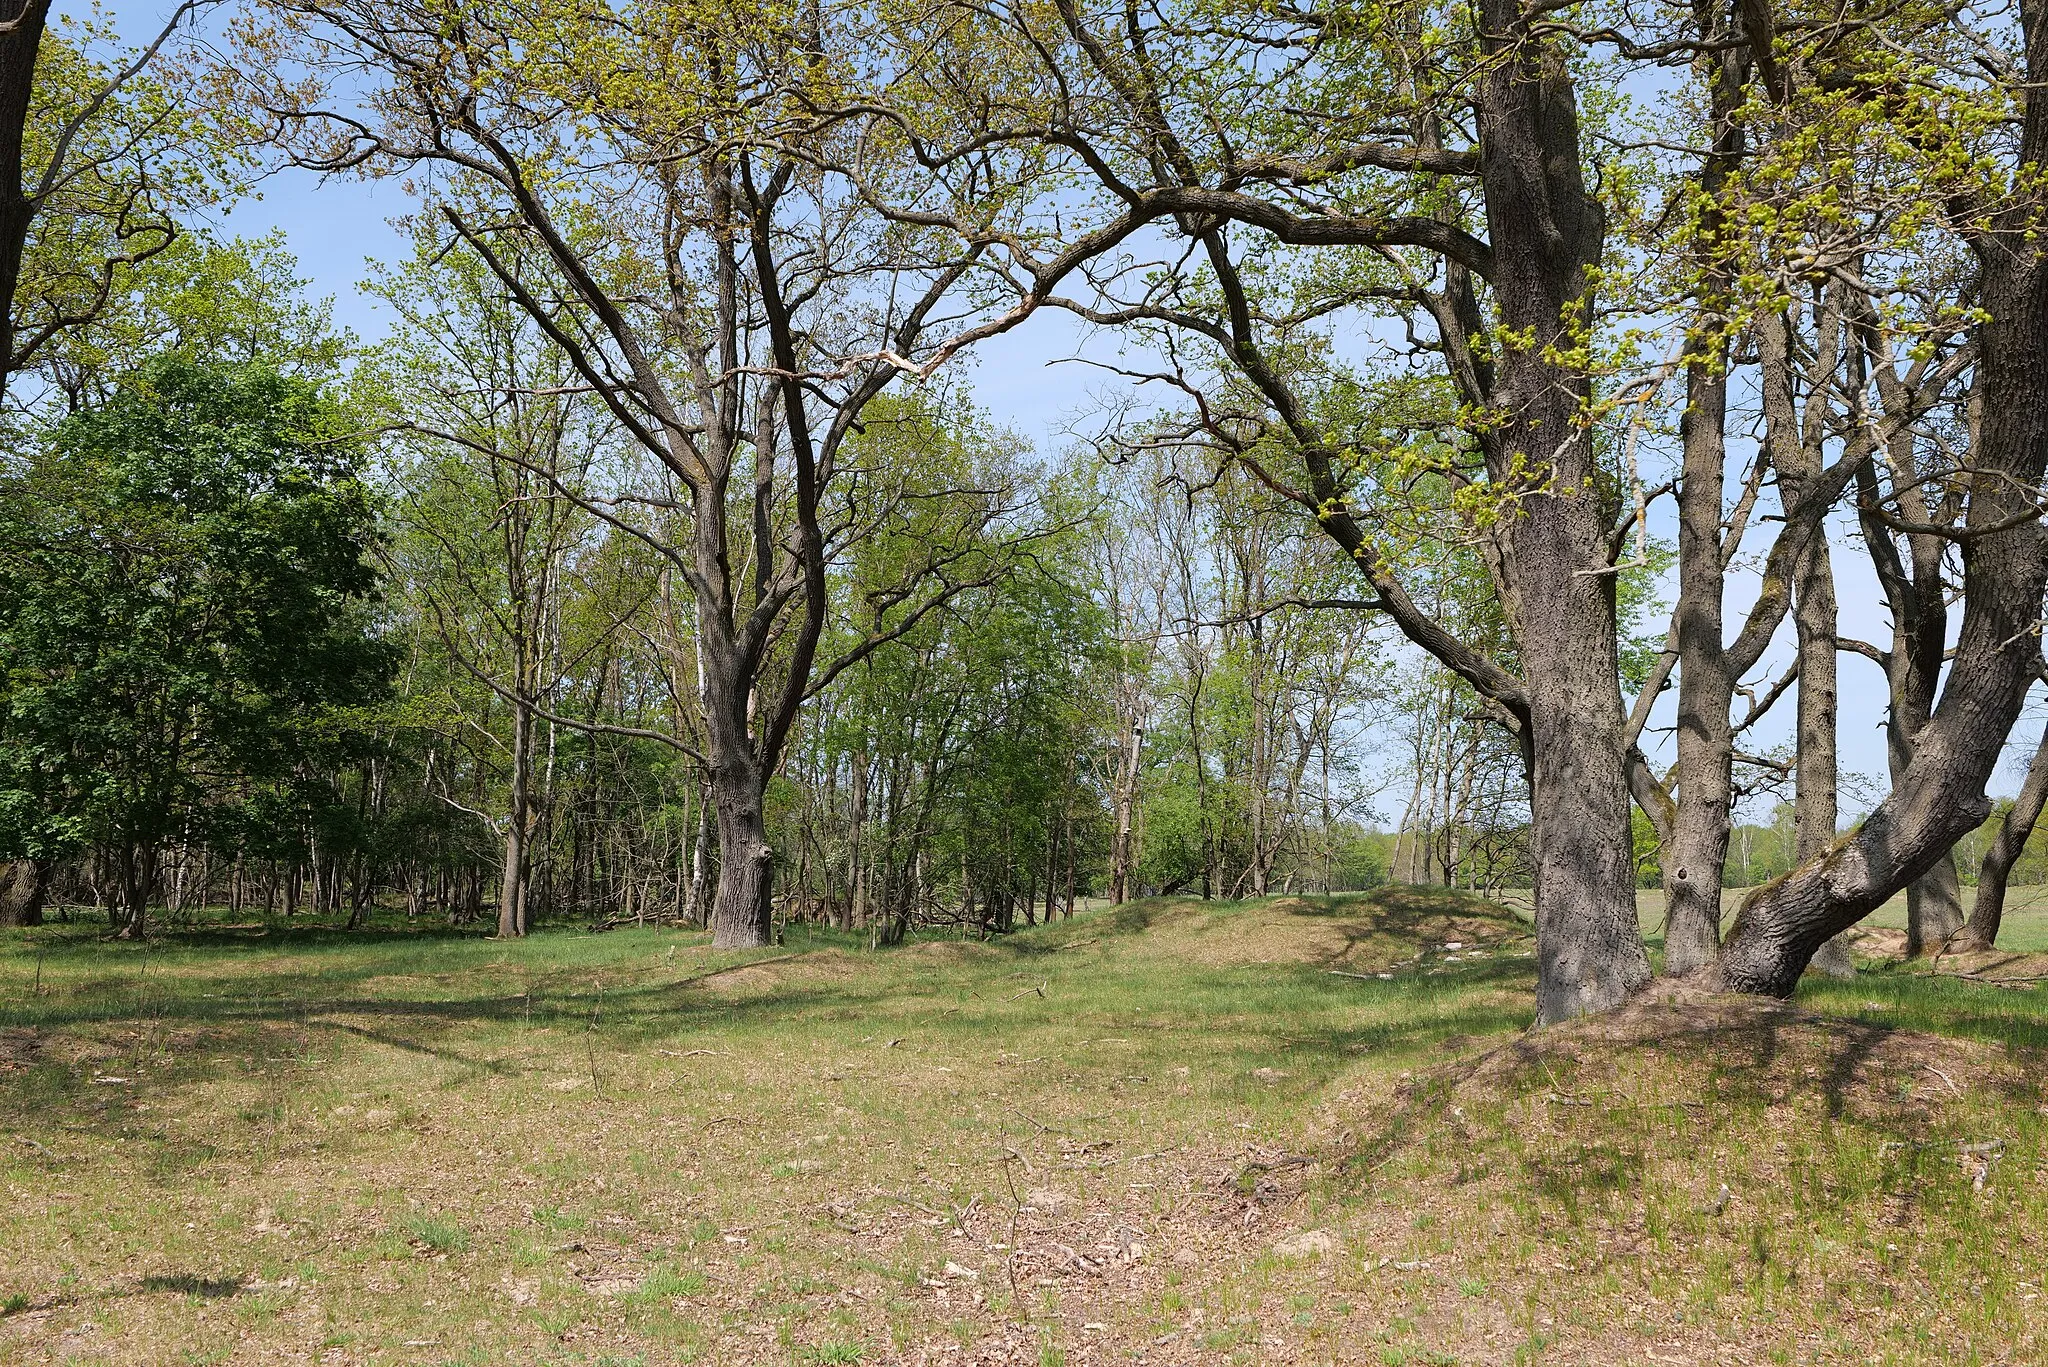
(192, 1284)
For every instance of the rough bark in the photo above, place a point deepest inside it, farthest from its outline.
(740, 916)
(1934, 908)
(24, 883)
(1980, 932)
(1940, 796)
(1547, 232)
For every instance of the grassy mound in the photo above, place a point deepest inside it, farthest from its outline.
(1391, 927)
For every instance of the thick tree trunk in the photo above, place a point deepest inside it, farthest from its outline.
(24, 883)
(740, 916)
(1589, 947)
(1981, 931)
(1547, 233)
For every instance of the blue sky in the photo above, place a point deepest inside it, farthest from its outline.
(336, 226)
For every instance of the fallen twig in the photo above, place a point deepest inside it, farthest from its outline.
(1944, 1077)
(1016, 1211)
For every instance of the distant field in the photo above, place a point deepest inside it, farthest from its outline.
(1301, 1131)
(2025, 927)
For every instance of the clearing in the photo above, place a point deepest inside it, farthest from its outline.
(1299, 1130)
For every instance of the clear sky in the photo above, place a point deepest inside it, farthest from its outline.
(336, 226)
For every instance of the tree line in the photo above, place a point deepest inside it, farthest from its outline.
(1574, 349)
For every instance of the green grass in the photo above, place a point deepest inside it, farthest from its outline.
(2024, 929)
(1088, 1141)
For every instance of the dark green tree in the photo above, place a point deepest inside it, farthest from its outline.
(185, 597)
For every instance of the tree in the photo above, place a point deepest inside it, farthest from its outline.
(1995, 208)
(97, 155)
(650, 193)
(501, 445)
(183, 586)
(1987, 914)
(1456, 188)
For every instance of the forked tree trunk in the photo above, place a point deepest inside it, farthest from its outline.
(138, 873)
(1981, 931)
(1940, 798)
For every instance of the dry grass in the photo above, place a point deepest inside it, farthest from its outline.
(1169, 1133)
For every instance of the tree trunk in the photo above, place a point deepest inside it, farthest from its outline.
(1123, 850)
(1589, 948)
(23, 885)
(861, 891)
(21, 38)
(512, 886)
(740, 914)
(1934, 907)
(138, 869)
(1816, 800)
(1695, 856)
(1547, 232)
(1981, 931)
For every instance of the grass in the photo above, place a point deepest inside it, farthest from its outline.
(1297, 1130)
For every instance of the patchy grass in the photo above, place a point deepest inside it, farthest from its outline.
(1295, 1130)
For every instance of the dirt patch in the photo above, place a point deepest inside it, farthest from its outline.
(2019, 971)
(1877, 942)
(19, 1048)
(1867, 1069)
(807, 967)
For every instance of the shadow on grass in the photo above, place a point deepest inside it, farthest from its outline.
(1233, 1017)
(191, 1284)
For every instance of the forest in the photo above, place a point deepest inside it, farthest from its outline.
(1563, 477)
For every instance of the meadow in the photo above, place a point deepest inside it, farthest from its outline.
(1297, 1130)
